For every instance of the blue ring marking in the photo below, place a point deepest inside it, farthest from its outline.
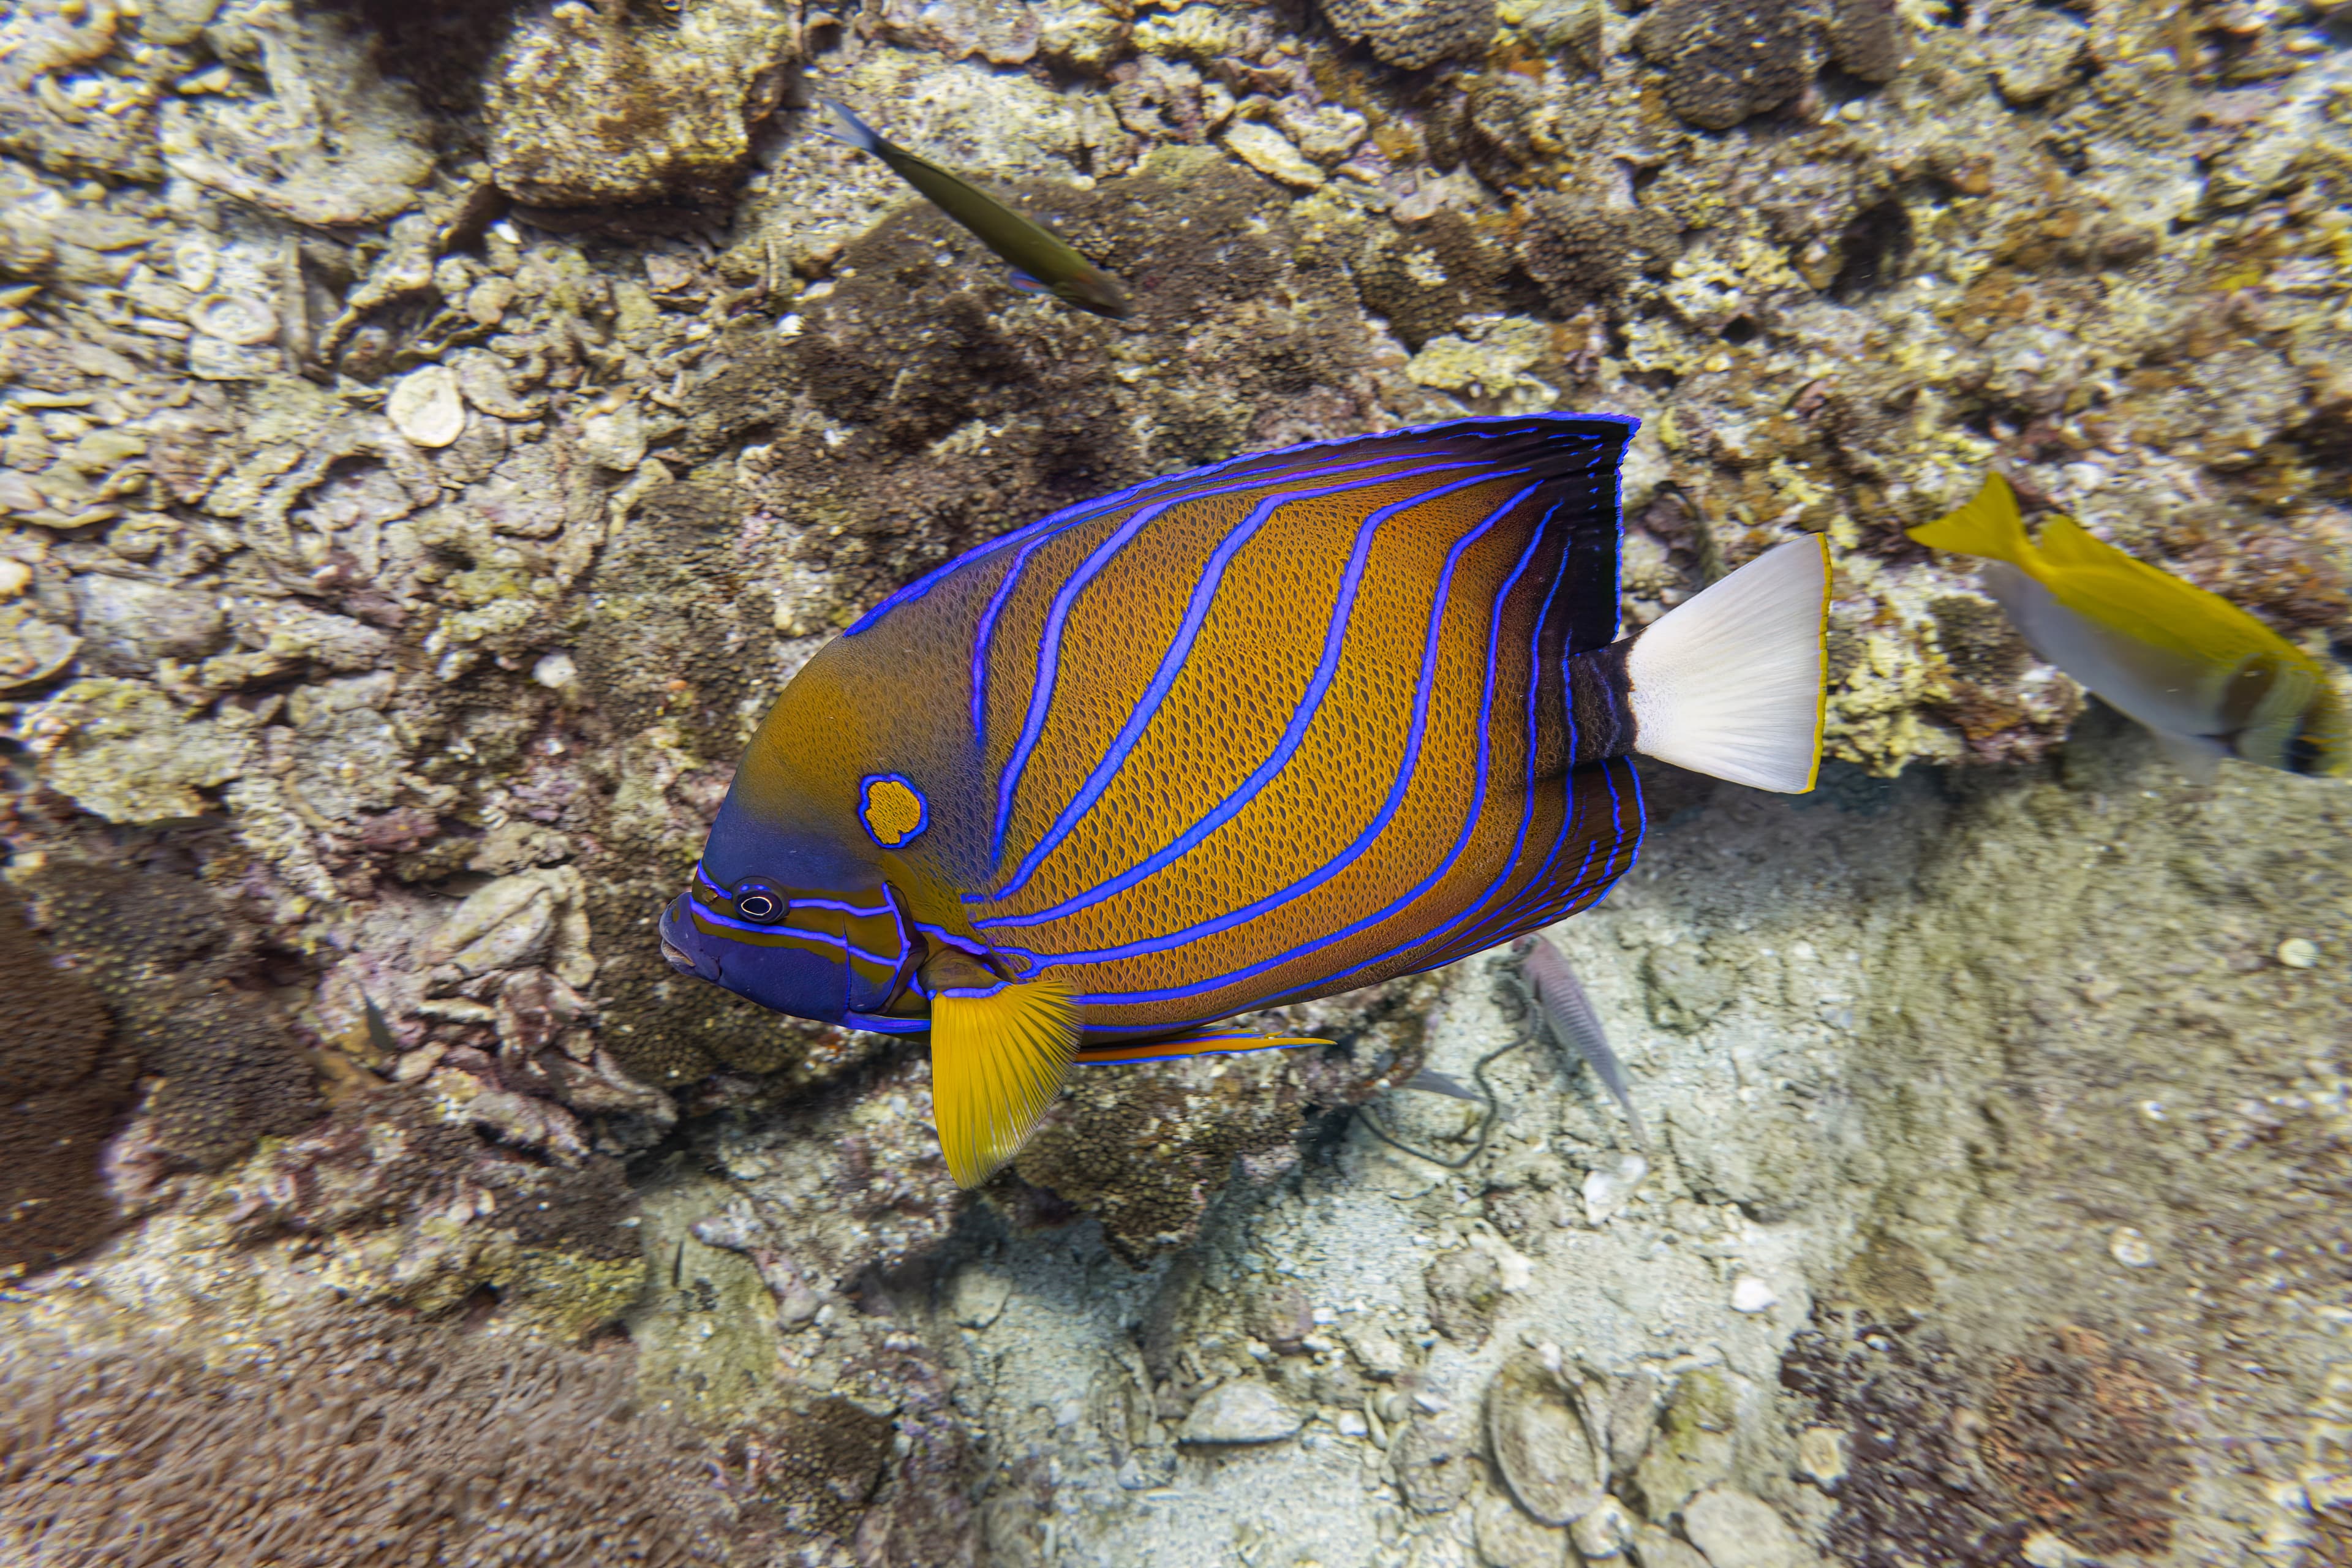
(1215, 1047)
(865, 803)
(1048, 666)
(1571, 819)
(796, 902)
(984, 634)
(1573, 815)
(1576, 886)
(1496, 904)
(1512, 865)
(750, 886)
(1397, 792)
(947, 938)
(1173, 663)
(1302, 718)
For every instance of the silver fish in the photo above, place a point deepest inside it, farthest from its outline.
(1567, 1013)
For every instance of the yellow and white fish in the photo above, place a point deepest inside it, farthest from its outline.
(2210, 679)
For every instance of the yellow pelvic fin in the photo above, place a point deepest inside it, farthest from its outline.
(998, 1056)
(1989, 525)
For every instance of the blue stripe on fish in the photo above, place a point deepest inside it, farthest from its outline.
(1302, 717)
(1041, 690)
(1171, 665)
(1371, 831)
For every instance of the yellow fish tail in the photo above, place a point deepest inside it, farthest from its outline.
(998, 1056)
(1990, 525)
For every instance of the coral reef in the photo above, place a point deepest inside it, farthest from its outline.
(1144, 1151)
(429, 436)
(395, 1200)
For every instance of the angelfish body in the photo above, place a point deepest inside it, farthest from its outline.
(1043, 262)
(2209, 678)
(1281, 726)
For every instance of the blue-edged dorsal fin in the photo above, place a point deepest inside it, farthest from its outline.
(1207, 1041)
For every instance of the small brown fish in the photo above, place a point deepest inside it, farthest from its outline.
(1043, 262)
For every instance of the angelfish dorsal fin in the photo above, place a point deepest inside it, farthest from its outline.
(1000, 1053)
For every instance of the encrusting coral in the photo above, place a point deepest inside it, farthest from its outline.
(164, 956)
(64, 1083)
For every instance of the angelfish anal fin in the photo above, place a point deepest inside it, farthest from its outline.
(1000, 1053)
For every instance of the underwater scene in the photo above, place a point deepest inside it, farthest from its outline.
(1104, 784)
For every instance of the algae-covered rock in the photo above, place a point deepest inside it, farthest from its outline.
(594, 105)
(123, 750)
(1540, 1440)
(331, 141)
(1693, 1448)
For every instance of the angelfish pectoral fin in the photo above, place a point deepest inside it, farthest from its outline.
(999, 1054)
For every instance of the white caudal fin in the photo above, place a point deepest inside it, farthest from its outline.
(1733, 682)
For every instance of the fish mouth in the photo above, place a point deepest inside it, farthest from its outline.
(676, 956)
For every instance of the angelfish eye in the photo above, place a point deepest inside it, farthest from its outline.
(758, 902)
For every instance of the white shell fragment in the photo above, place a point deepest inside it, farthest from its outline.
(1604, 1532)
(1736, 1530)
(1243, 1411)
(1610, 1186)
(1821, 1455)
(425, 406)
(2130, 1248)
(1536, 1432)
(1750, 1294)
(2299, 952)
(195, 260)
(1269, 151)
(237, 319)
(614, 440)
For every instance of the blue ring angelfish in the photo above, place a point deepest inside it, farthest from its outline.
(891, 810)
